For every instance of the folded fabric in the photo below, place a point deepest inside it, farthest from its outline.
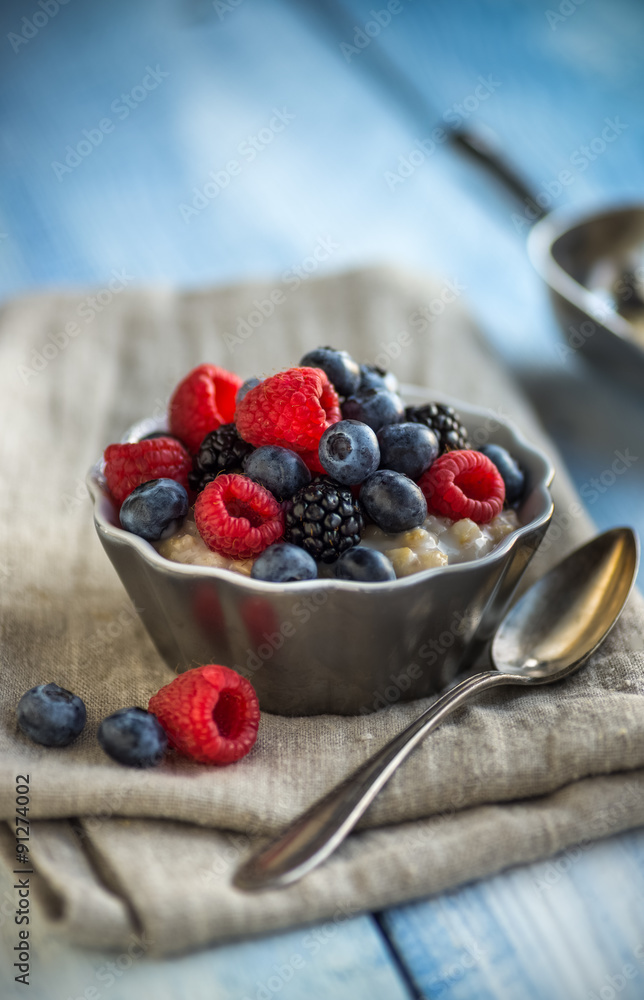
(514, 777)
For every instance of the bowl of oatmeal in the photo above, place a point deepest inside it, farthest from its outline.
(329, 645)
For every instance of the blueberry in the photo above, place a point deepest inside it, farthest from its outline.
(407, 448)
(393, 501)
(155, 509)
(50, 715)
(249, 384)
(284, 563)
(365, 565)
(342, 371)
(278, 469)
(349, 451)
(511, 472)
(134, 737)
(375, 407)
(373, 377)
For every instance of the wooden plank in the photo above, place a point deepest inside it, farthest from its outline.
(565, 929)
(347, 962)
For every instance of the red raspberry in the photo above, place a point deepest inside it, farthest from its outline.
(463, 484)
(237, 517)
(129, 465)
(201, 403)
(292, 409)
(210, 713)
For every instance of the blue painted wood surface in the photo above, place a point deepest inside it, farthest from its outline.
(552, 79)
(570, 928)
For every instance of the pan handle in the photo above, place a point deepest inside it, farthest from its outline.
(483, 146)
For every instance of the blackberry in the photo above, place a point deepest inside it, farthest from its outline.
(221, 451)
(443, 421)
(324, 520)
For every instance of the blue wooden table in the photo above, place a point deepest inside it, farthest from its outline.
(200, 142)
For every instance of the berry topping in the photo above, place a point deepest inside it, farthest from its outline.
(349, 451)
(324, 519)
(221, 451)
(50, 715)
(292, 409)
(373, 377)
(511, 472)
(203, 401)
(375, 407)
(155, 509)
(364, 565)
(210, 713)
(134, 737)
(284, 563)
(407, 448)
(250, 383)
(237, 517)
(445, 423)
(464, 484)
(341, 370)
(392, 501)
(280, 470)
(129, 465)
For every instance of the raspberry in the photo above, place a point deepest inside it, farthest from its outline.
(129, 465)
(292, 409)
(210, 713)
(203, 401)
(237, 517)
(463, 484)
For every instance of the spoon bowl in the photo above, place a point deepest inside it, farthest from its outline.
(548, 635)
(553, 629)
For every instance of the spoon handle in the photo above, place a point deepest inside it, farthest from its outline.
(309, 840)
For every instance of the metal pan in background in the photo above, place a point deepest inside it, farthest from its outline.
(593, 263)
(594, 268)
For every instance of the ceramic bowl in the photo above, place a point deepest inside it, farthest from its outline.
(333, 646)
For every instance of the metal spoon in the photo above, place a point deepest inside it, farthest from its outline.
(545, 637)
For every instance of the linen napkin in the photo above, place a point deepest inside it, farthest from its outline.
(117, 852)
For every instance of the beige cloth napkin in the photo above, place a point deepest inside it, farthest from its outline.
(514, 777)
